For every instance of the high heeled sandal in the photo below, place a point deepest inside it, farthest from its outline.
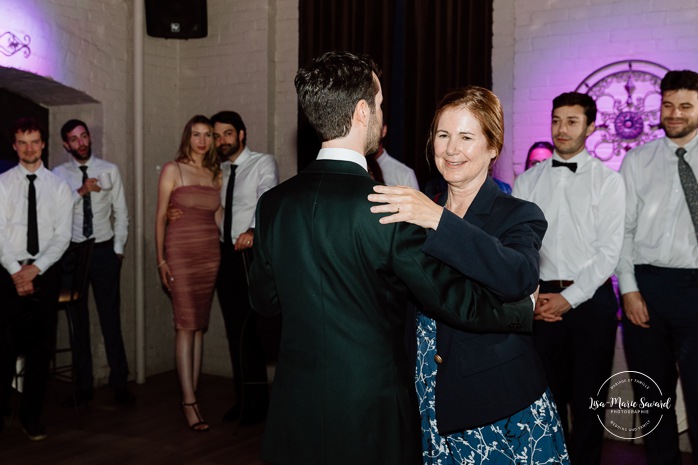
(196, 426)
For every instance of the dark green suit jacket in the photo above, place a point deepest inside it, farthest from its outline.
(343, 390)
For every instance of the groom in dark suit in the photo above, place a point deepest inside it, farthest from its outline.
(343, 391)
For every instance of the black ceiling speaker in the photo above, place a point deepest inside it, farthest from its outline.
(176, 19)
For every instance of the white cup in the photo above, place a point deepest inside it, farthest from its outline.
(105, 181)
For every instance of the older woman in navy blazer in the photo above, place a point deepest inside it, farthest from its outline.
(483, 396)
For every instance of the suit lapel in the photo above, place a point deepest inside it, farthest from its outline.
(481, 209)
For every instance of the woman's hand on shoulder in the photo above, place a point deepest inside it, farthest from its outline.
(405, 204)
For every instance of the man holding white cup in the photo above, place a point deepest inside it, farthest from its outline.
(98, 195)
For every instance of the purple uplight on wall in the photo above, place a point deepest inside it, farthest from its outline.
(31, 38)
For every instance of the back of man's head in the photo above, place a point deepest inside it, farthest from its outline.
(70, 125)
(232, 118)
(28, 124)
(330, 87)
(569, 99)
(678, 80)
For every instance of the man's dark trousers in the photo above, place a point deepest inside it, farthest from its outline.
(28, 327)
(244, 343)
(577, 354)
(104, 278)
(671, 295)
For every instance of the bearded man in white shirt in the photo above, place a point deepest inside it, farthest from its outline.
(100, 213)
(658, 269)
(35, 225)
(575, 323)
(253, 174)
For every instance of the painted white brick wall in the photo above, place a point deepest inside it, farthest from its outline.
(234, 68)
(86, 46)
(244, 64)
(557, 44)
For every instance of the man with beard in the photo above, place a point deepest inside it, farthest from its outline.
(344, 385)
(658, 270)
(98, 196)
(246, 176)
(34, 232)
(575, 325)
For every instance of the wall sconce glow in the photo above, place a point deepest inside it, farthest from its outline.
(11, 44)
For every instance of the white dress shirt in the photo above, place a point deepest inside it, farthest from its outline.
(585, 212)
(255, 174)
(53, 214)
(396, 173)
(658, 226)
(104, 203)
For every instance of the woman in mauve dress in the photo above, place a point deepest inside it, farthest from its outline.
(188, 252)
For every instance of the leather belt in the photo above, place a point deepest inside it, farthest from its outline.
(564, 284)
(561, 283)
(108, 244)
(26, 261)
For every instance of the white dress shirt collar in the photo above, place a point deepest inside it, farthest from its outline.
(339, 154)
(243, 157)
(87, 163)
(40, 171)
(689, 146)
(581, 158)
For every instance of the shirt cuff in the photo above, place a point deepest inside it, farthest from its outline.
(627, 283)
(573, 296)
(41, 265)
(13, 267)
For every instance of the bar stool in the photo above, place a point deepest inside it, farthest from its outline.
(75, 265)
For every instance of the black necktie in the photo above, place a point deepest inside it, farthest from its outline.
(86, 207)
(571, 166)
(690, 186)
(32, 226)
(228, 214)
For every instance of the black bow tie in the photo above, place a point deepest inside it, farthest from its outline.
(572, 166)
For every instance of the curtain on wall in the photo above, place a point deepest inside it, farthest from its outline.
(424, 48)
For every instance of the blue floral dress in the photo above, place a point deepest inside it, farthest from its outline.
(532, 436)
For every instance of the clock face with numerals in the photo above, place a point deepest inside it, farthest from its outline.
(628, 100)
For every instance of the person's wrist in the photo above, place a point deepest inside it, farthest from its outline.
(437, 218)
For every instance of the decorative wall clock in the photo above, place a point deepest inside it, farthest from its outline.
(628, 100)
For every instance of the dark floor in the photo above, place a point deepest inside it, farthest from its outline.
(153, 431)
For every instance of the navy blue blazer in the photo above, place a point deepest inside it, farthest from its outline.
(485, 377)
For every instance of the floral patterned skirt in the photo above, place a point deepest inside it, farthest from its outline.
(532, 436)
